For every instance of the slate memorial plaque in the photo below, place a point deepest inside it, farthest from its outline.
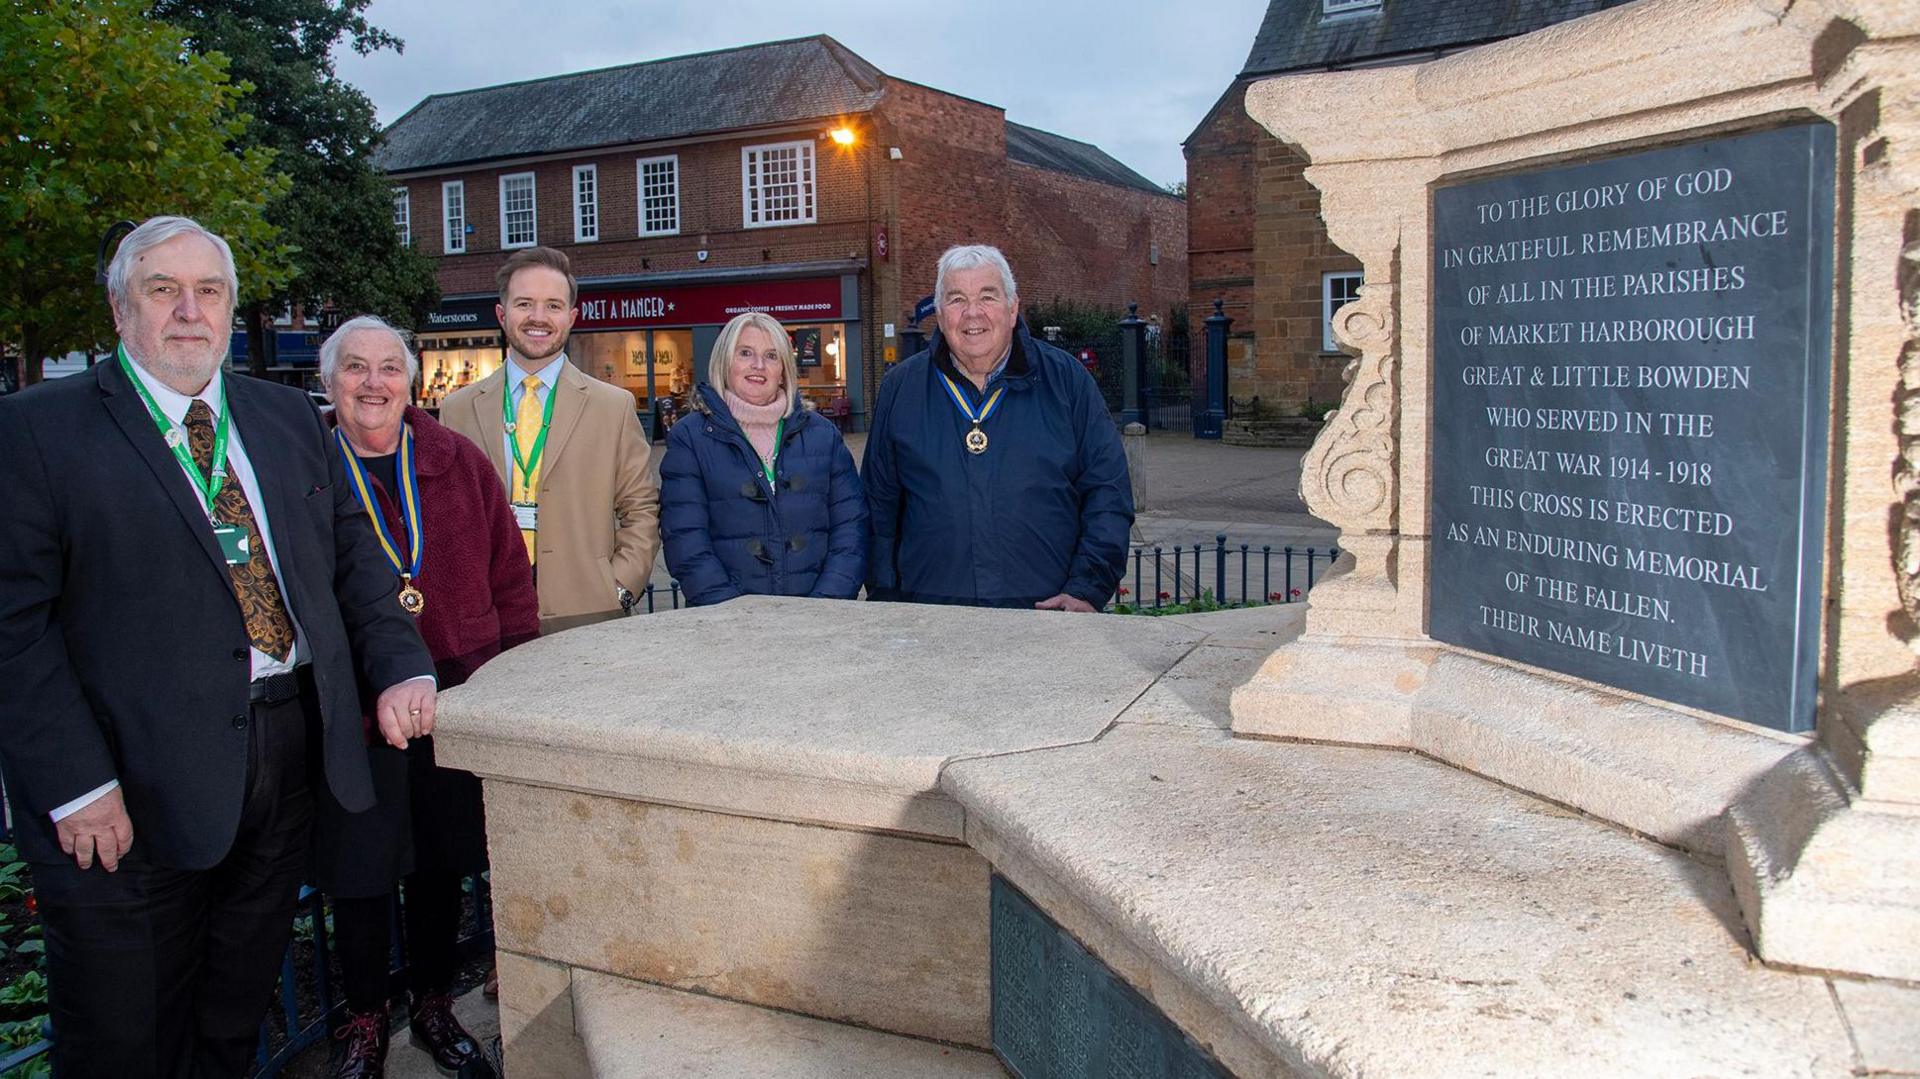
(1630, 396)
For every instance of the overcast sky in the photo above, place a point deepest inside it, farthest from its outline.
(1131, 76)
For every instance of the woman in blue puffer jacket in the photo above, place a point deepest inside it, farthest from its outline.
(758, 495)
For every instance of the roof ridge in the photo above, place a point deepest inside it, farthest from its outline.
(870, 77)
(620, 67)
(1057, 135)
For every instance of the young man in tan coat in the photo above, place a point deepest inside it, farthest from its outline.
(569, 449)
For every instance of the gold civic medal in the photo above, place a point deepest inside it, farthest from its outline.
(975, 439)
(412, 600)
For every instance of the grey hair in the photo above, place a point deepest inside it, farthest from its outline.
(972, 257)
(153, 232)
(330, 349)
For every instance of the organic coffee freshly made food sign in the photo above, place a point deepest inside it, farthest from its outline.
(1631, 364)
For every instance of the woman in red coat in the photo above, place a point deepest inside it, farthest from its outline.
(450, 535)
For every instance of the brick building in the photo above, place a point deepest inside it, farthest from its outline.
(1254, 236)
(792, 176)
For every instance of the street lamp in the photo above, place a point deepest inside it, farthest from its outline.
(844, 136)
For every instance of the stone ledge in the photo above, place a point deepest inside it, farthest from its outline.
(633, 1030)
(1561, 740)
(880, 698)
(1360, 911)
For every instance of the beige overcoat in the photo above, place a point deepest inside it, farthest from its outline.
(599, 502)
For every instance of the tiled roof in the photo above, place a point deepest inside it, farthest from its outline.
(1299, 35)
(1032, 146)
(729, 90)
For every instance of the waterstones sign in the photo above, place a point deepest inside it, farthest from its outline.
(1631, 363)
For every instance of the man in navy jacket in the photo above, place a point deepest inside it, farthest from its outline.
(995, 477)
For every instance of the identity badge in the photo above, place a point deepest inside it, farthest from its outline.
(233, 544)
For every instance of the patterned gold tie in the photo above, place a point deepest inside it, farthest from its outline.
(526, 429)
(268, 626)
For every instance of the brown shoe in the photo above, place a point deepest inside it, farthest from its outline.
(454, 1051)
(365, 1054)
(492, 987)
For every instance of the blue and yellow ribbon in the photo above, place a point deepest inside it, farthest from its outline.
(407, 568)
(960, 401)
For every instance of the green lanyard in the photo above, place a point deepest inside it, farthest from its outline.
(209, 487)
(532, 460)
(779, 430)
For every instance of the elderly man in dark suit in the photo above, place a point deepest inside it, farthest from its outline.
(190, 604)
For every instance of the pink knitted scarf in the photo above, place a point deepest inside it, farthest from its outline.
(758, 422)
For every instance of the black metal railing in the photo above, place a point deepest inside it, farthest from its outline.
(1219, 574)
(300, 1027)
(296, 1025)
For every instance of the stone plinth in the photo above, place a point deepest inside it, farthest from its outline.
(743, 801)
(1816, 834)
(1295, 910)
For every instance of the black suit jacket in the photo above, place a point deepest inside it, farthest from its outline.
(123, 654)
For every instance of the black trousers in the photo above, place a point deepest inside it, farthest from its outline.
(167, 973)
(363, 939)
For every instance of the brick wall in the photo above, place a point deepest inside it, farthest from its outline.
(1066, 236)
(1256, 239)
(1073, 238)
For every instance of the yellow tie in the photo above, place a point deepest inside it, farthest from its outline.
(526, 428)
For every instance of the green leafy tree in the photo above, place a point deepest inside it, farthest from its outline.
(111, 117)
(339, 213)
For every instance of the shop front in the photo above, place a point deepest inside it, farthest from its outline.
(460, 343)
(654, 340)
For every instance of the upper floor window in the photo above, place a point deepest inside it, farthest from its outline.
(519, 223)
(453, 216)
(777, 184)
(659, 195)
(1342, 7)
(586, 204)
(1337, 290)
(402, 217)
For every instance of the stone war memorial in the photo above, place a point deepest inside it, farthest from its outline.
(1598, 755)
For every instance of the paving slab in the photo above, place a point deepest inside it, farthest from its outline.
(1364, 912)
(637, 1031)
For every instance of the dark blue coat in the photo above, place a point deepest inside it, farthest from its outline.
(727, 534)
(1048, 508)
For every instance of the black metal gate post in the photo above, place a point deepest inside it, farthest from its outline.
(1213, 418)
(1133, 367)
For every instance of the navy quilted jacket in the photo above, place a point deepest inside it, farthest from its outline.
(727, 533)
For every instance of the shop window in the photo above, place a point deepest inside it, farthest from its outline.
(586, 204)
(1336, 291)
(519, 223)
(659, 195)
(453, 214)
(402, 217)
(448, 362)
(777, 184)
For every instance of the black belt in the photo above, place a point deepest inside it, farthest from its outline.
(278, 688)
